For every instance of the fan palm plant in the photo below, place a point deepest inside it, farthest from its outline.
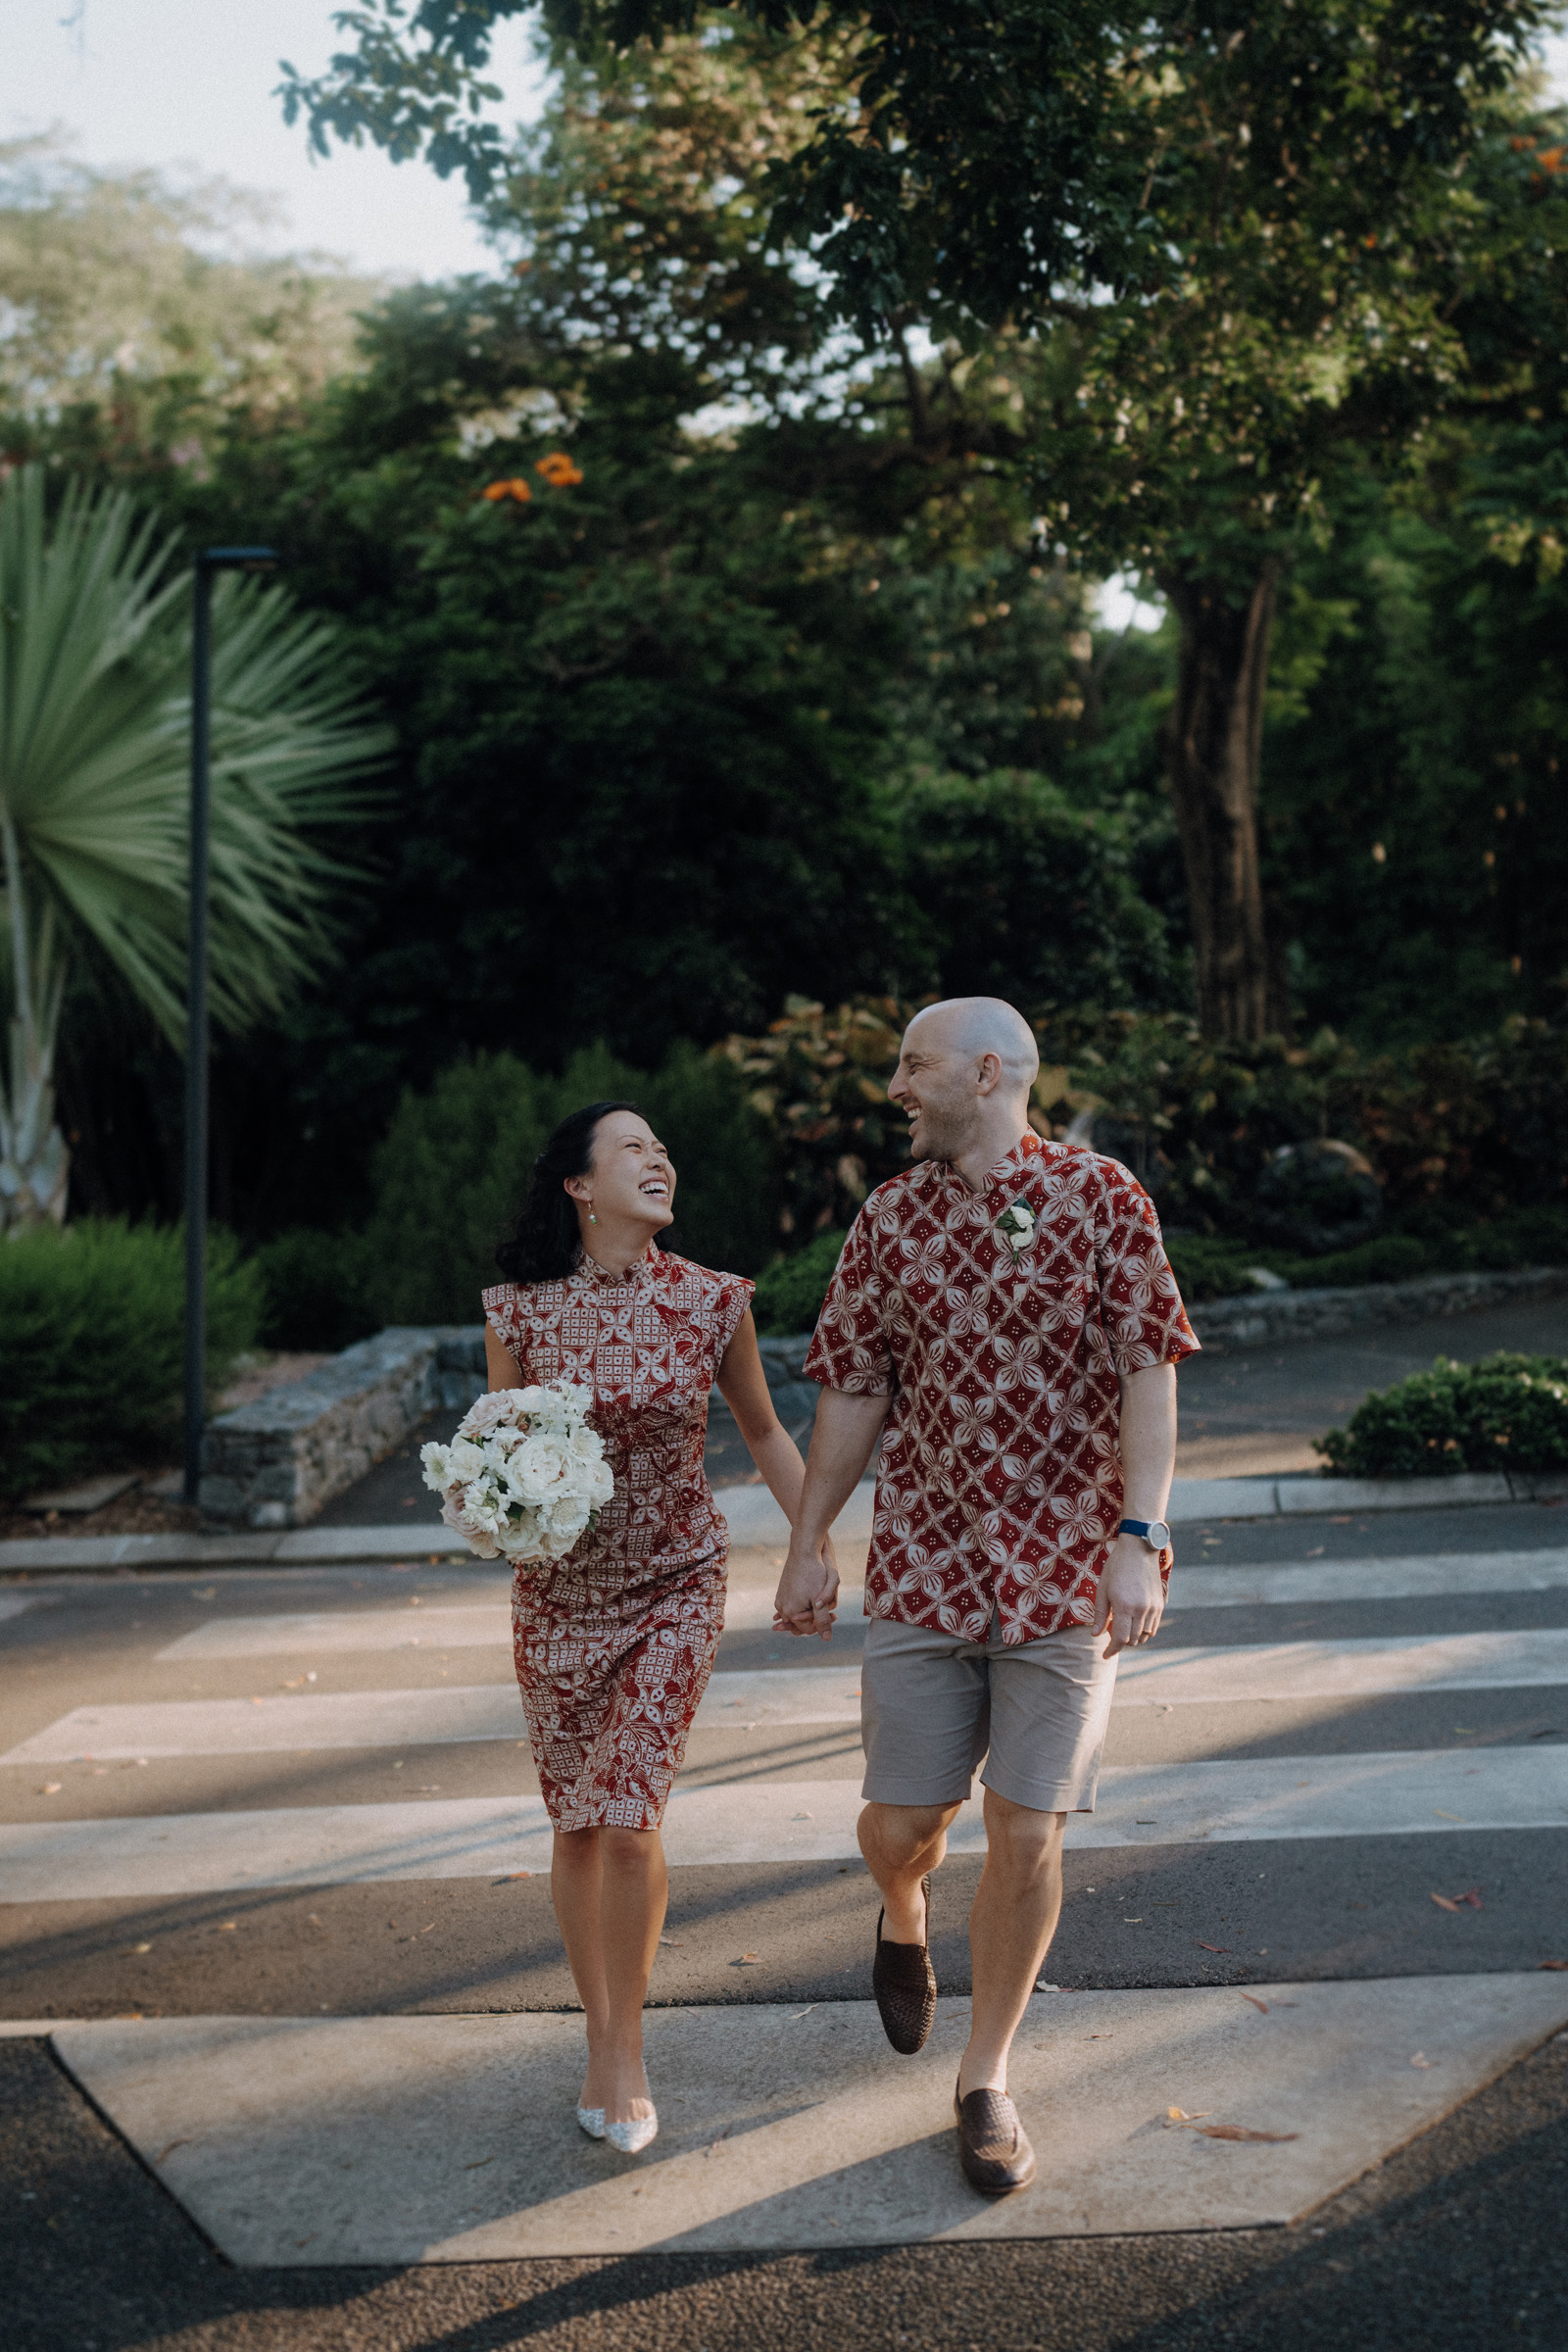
(94, 784)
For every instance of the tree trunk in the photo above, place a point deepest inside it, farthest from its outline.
(1212, 752)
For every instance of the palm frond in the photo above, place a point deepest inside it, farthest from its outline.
(95, 753)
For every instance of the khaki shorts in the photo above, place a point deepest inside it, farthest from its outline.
(932, 1705)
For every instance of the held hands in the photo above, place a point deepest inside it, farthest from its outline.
(807, 1597)
(1131, 1599)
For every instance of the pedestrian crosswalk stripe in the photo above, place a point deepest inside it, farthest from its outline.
(1364, 1668)
(1416, 1791)
(749, 1607)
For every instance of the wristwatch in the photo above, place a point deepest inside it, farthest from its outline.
(1153, 1532)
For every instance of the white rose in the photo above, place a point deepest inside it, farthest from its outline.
(467, 1461)
(1016, 1226)
(437, 1464)
(496, 1405)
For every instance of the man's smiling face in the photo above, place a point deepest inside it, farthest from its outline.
(935, 1087)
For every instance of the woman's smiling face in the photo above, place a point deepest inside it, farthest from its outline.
(630, 1176)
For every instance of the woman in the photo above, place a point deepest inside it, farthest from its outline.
(615, 1643)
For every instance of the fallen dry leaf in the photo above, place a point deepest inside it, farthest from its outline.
(1470, 1900)
(1213, 1947)
(1552, 1963)
(1256, 2003)
(50, 1789)
(749, 1960)
(1179, 2115)
(511, 1877)
(1240, 2131)
(1421, 2059)
(675, 1939)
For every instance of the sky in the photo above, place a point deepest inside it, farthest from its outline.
(187, 85)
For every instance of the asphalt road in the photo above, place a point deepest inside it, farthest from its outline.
(1458, 2238)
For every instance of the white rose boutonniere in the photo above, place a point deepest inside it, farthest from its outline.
(1016, 1226)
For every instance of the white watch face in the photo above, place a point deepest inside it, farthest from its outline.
(1158, 1536)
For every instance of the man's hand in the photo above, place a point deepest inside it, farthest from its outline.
(808, 1595)
(1132, 1600)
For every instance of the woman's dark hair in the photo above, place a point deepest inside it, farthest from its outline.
(543, 1243)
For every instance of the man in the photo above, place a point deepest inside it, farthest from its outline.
(1005, 1319)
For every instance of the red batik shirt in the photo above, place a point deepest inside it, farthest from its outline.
(1000, 1481)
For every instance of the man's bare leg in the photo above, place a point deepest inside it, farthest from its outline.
(901, 1844)
(1016, 1907)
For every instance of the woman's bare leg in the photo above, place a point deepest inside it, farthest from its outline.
(609, 1887)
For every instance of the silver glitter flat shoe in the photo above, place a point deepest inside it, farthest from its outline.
(592, 2119)
(635, 2135)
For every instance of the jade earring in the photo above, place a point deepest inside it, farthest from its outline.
(592, 1220)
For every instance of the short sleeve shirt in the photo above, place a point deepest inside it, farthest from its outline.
(999, 1485)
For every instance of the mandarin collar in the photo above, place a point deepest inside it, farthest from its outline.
(595, 1277)
(1006, 1171)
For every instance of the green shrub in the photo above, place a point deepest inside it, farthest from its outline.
(1206, 1268)
(1507, 1412)
(314, 1291)
(790, 1295)
(456, 1165)
(1387, 1257)
(92, 1344)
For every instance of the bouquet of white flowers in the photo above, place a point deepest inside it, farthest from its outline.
(524, 1473)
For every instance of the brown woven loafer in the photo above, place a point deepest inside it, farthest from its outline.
(905, 1985)
(995, 2155)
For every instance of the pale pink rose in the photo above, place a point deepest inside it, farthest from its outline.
(492, 1409)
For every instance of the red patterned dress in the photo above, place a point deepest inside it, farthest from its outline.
(615, 1644)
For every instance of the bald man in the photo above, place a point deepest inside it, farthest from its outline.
(1003, 1318)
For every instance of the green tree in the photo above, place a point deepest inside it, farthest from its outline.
(94, 782)
(136, 324)
(1228, 238)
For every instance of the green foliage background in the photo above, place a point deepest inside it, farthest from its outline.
(91, 1362)
(453, 1170)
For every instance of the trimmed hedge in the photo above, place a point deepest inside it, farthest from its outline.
(1507, 1412)
(92, 1344)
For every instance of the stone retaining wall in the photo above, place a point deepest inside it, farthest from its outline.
(1227, 1325)
(280, 1461)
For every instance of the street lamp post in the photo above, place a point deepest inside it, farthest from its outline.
(211, 560)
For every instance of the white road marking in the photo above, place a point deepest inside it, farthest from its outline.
(1417, 1576)
(334, 1633)
(1416, 1791)
(1402, 1665)
(12, 1604)
(323, 1633)
(750, 1608)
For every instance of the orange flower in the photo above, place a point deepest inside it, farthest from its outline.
(518, 489)
(559, 470)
